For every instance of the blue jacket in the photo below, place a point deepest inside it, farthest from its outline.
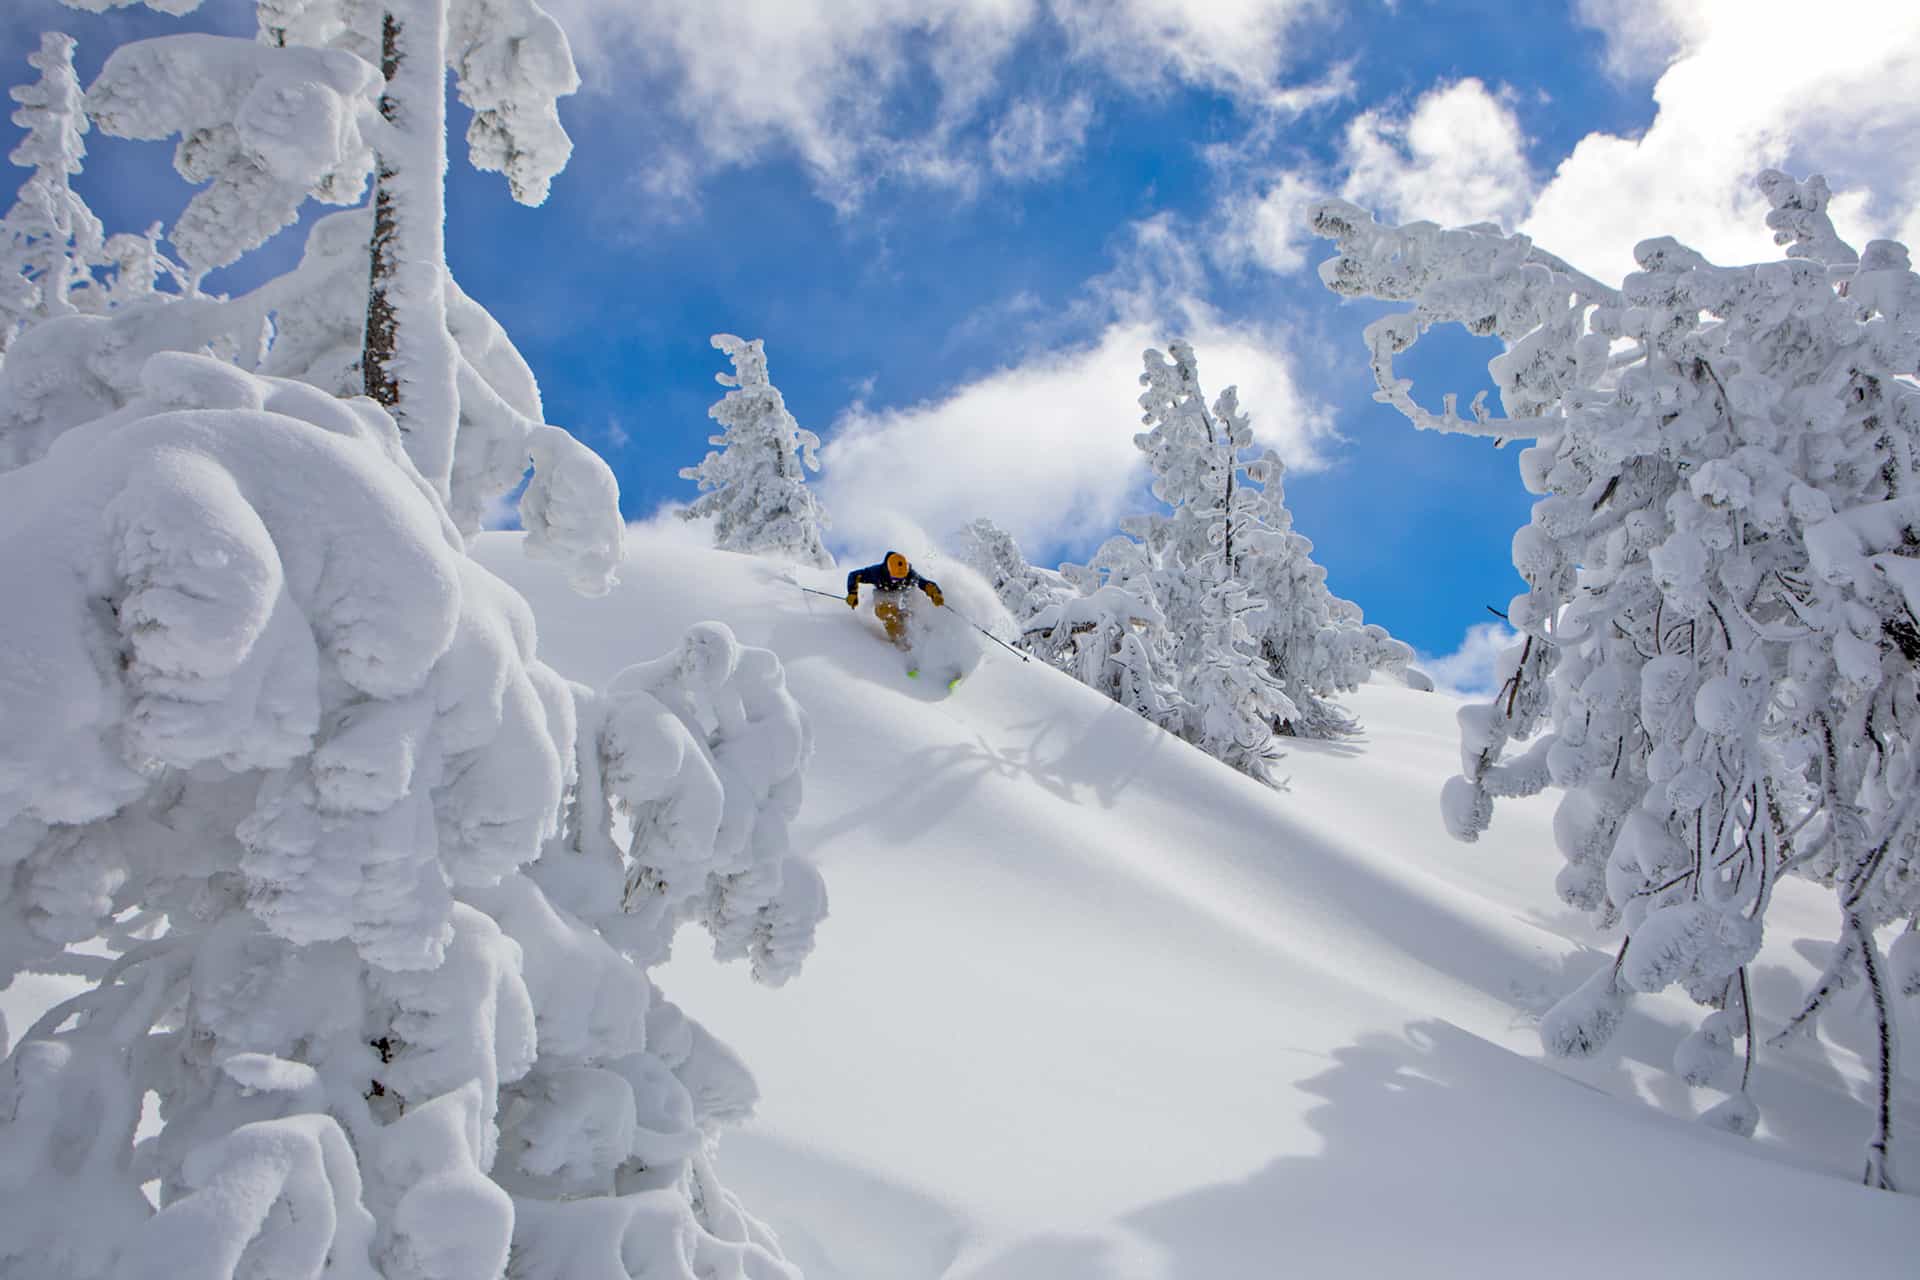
(877, 577)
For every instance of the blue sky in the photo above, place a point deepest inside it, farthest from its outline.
(957, 222)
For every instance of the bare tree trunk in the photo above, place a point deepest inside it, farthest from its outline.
(1879, 1172)
(408, 361)
(1746, 1012)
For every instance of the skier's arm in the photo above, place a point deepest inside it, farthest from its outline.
(932, 589)
(854, 580)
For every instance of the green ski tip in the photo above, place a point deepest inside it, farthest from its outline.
(913, 673)
(951, 683)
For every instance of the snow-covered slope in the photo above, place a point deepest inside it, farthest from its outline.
(1092, 1005)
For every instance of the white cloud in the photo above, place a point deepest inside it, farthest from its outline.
(1468, 670)
(1156, 269)
(1644, 37)
(1270, 230)
(1742, 86)
(1034, 138)
(1237, 46)
(1458, 157)
(1045, 447)
(745, 76)
(826, 78)
(1758, 84)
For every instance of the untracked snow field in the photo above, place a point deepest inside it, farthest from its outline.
(1092, 1006)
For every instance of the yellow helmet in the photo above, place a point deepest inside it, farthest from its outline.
(896, 565)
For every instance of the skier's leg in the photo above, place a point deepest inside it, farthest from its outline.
(889, 613)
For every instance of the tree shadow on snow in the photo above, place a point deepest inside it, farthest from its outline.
(1812, 1115)
(1446, 1155)
(939, 781)
(1346, 747)
(1101, 757)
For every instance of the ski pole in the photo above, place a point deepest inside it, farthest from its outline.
(828, 594)
(989, 635)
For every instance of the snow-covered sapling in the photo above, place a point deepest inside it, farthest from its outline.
(49, 240)
(754, 487)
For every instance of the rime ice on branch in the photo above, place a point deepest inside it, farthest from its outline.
(1720, 645)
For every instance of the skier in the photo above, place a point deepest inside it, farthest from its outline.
(890, 580)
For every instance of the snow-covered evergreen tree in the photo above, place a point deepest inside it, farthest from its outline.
(1719, 663)
(1350, 649)
(1232, 704)
(54, 257)
(49, 239)
(1293, 625)
(1110, 634)
(1209, 617)
(1229, 702)
(1023, 589)
(1095, 621)
(754, 488)
(366, 893)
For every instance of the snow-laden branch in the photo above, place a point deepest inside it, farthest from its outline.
(512, 64)
(262, 128)
(1486, 282)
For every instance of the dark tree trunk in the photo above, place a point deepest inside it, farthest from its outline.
(376, 356)
(408, 361)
